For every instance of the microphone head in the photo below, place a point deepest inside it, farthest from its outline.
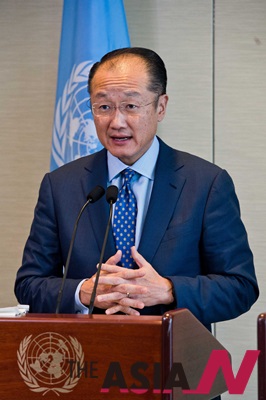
(111, 194)
(96, 194)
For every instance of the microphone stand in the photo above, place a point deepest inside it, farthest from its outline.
(111, 197)
(93, 196)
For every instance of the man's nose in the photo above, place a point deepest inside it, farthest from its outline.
(118, 118)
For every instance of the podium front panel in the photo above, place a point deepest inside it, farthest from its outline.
(65, 357)
(100, 357)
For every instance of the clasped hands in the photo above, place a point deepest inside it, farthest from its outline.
(127, 290)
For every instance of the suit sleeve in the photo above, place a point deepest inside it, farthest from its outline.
(226, 286)
(39, 278)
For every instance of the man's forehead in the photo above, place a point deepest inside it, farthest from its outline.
(123, 63)
(127, 74)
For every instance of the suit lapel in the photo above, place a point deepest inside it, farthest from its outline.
(168, 185)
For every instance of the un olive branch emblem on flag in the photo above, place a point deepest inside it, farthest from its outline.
(74, 133)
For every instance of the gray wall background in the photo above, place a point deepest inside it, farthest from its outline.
(217, 89)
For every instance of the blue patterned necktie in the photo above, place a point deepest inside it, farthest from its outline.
(124, 225)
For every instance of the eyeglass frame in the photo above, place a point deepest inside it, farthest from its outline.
(122, 110)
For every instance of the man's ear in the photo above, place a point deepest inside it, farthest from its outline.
(161, 108)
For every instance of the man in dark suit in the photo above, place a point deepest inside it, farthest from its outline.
(191, 249)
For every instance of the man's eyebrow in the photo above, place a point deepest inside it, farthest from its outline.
(101, 95)
(132, 94)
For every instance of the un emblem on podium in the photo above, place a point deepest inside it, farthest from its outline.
(44, 362)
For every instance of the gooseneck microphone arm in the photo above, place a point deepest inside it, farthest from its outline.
(92, 197)
(111, 197)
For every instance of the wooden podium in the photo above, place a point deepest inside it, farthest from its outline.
(99, 357)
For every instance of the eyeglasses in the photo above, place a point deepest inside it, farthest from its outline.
(107, 109)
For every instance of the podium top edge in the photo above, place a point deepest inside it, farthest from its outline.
(82, 318)
(100, 318)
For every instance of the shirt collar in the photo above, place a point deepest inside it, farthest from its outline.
(144, 166)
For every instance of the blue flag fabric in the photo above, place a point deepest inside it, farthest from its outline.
(90, 28)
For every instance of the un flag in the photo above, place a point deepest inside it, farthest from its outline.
(90, 28)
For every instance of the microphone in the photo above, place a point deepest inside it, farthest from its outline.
(92, 197)
(111, 197)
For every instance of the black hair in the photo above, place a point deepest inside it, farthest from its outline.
(154, 64)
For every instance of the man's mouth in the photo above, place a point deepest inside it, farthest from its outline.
(121, 139)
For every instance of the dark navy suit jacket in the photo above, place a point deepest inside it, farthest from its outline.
(192, 234)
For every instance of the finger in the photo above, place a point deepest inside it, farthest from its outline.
(125, 310)
(132, 303)
(123, 291)
(133, 290)
(140, 261)
(125, 273)
(113, 280)
(103, 305)
(115, 296)
(123, 301)
(115, 258)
